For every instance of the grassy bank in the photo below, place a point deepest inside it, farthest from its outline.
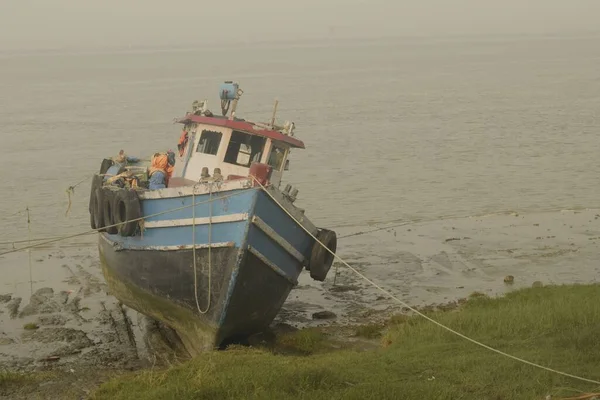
(554, 326)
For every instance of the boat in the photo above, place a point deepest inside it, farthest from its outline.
(215, 253)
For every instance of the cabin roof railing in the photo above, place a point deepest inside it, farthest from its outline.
(242, 125)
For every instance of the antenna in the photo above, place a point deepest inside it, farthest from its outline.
(274, 112)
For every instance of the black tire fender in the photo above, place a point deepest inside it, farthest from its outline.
(126, 211)
(93, 206)
(105, 165)
(96, 182)
(108, 214)
(321, 259)
(97, 211)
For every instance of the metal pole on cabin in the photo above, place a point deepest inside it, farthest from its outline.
(274, 112)
(235, 103)
(233, 107)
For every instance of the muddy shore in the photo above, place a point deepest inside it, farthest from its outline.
(69, 322)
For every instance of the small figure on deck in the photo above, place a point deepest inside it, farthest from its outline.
(119, 162)
(204, 175)
(276, 158)
(161, 170)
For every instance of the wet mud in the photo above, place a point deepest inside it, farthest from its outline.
(74, 324)
(65, 319)
(439, 263)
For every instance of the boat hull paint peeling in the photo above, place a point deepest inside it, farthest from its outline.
(257, 253)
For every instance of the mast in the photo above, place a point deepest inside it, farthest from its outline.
(274, 112)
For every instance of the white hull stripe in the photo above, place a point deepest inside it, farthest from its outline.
(199, 221)
(262, 225)
(198, 189)
(119, 247)
(184, 247)
(274, 267)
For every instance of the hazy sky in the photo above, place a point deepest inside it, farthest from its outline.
(39, 24)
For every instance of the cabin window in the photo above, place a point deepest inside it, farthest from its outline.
(209, 142)
(244, 149)
(276, 157)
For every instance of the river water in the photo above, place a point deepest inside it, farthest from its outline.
(456, 138)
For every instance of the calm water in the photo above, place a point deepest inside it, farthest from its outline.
(394, 129)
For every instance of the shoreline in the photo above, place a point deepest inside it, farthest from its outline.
(427, 264)
(526, 323)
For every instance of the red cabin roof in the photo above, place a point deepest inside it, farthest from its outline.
(244, 126)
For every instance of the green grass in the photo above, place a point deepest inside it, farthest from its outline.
(476, 295)
(306, 341)
(555, 326)
(369, 331)
(30, 326)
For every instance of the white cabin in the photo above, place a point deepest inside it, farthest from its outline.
(232, 146)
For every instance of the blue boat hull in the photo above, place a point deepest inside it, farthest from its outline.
(256, 252)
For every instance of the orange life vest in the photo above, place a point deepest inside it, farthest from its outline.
(160, 162)
(183, 139)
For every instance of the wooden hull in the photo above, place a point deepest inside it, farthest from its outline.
(255, 261)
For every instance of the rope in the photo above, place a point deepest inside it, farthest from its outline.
(390, 295)
(387, 293)
(71, 189)
(28, 240)
(381, 289)
(60, 238)
(209, 246)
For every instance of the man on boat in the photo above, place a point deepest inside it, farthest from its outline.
(161, 170)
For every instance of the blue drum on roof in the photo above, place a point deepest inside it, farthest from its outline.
(228, 91)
